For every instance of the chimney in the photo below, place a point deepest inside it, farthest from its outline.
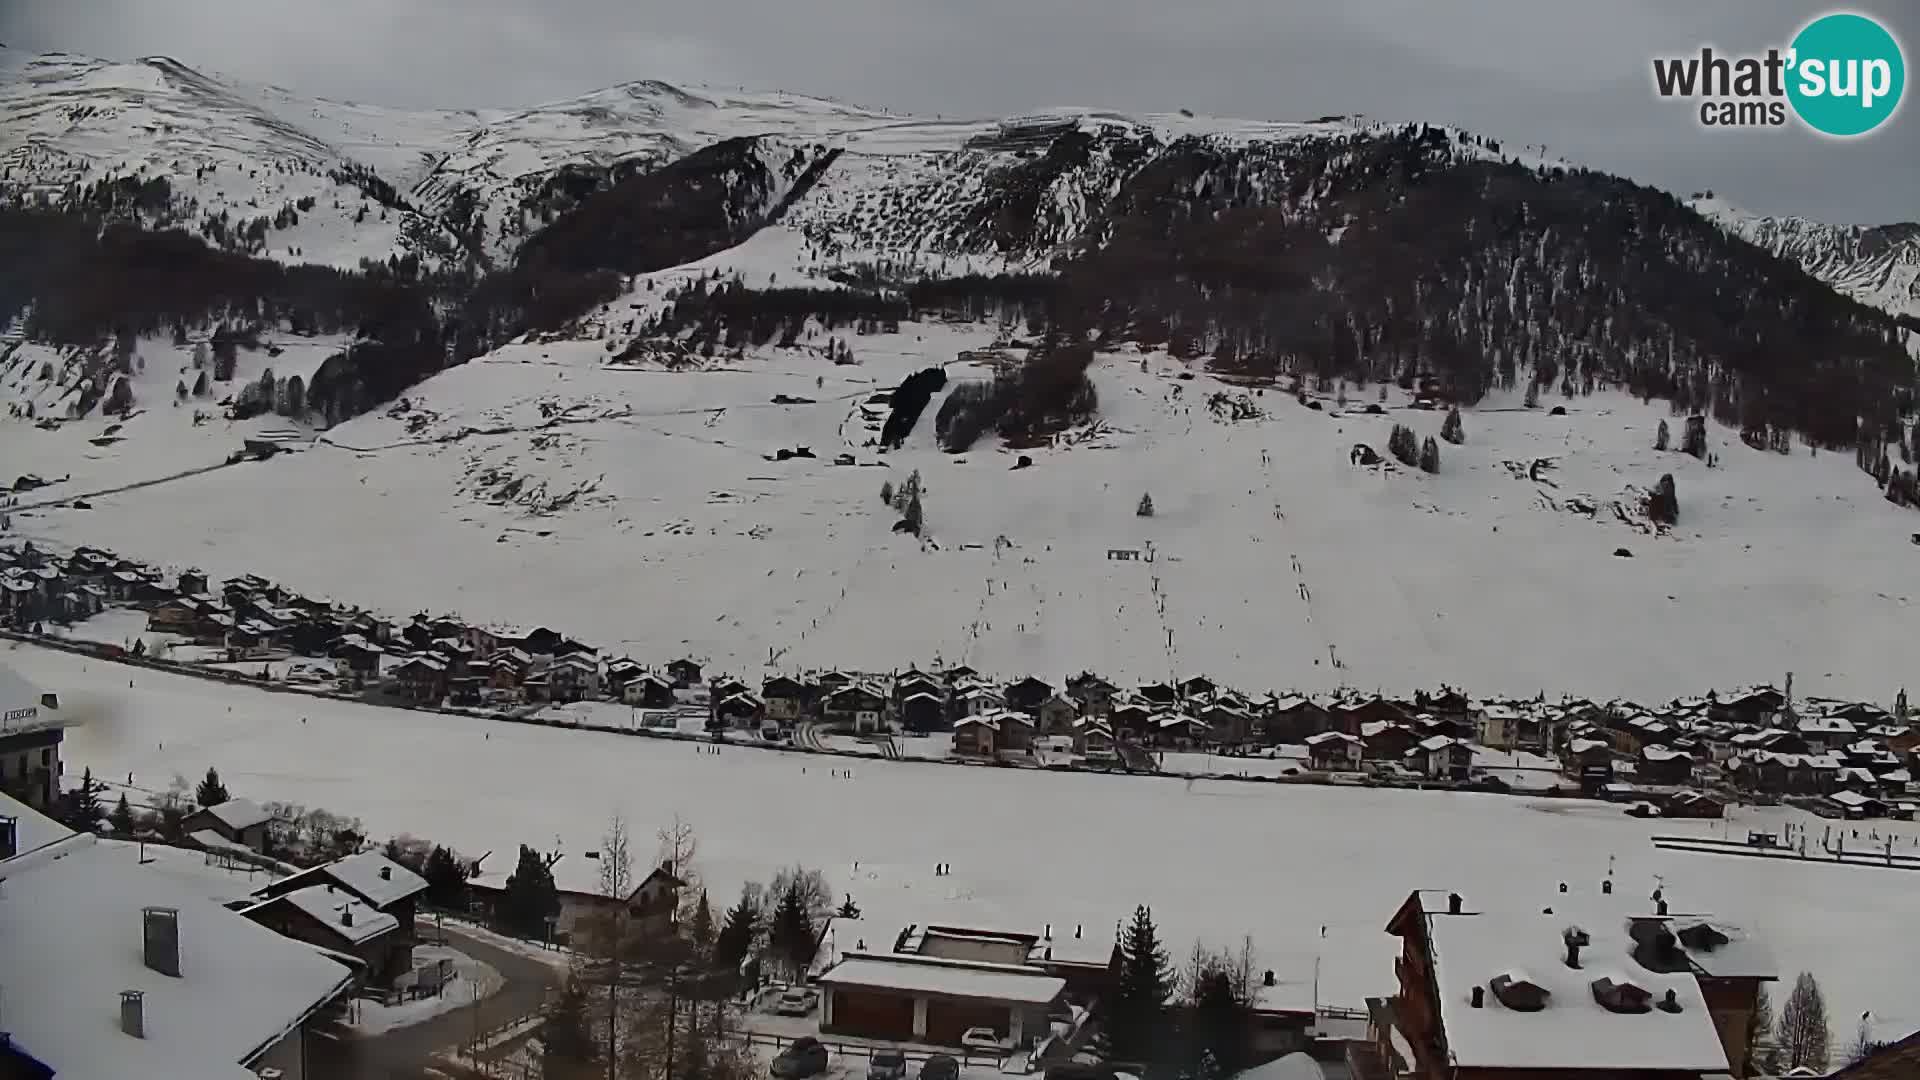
(1076, 931)
(160, 934)
(1479, 997)
(346, 916)
(1046, 935)
(1660, 905)
(386, 873)
(1453, 903)
(1267, 979)
(133, 1013)
(1670, 1003)
(1563, 886)
(9, 838)
(1606, 887)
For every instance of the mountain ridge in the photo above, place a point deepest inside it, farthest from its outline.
(1329, 247)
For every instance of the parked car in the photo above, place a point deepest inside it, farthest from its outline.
(802, 1058)
(887, 1065)
(940, 1067)
(983, 1039)
(794, 1002)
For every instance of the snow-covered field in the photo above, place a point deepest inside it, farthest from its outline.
(638, 509)
(1215, 858)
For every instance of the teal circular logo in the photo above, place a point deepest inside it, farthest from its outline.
(1847, 74)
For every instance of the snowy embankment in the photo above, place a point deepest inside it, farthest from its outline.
(639, 509)
(1214, 859)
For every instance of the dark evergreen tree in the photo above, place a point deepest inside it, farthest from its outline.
(1695, 442)
(566, 1045)
(446, 880)
(1660, 436)
(1663, 505)
(791, 935)
(1145, 509)
(80, 809)
(886, 492)
(120, 818)
(735, 940)
(1137, 1026)
(1452, 429)
(913, 517)
(1430, 456)
(700, 925)
(530, 898)
(211, 791)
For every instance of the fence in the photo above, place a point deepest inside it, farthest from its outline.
(867, 1050)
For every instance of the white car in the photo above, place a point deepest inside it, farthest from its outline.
(794, 1002)
(982, 1039)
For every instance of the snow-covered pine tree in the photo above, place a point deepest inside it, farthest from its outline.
(1452, 429)
(1660, 436)
(1145, 509)
(1430, 456)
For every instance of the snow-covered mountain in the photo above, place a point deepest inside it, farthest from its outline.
(1874, 264)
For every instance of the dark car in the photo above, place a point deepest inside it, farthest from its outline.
(940, 1067)
(802, 1058)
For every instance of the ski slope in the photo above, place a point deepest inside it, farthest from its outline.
(1027, 847)
(640, 509)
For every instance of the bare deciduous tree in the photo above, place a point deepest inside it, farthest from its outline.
(1802, 1036)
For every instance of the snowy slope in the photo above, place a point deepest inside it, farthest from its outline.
(162, 436)
(1877, 265)
(1099, 844)
(638, 507)
(225, 149)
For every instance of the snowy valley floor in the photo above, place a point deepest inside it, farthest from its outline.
(1312, 872)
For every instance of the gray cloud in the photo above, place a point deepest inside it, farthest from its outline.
(1572, 76)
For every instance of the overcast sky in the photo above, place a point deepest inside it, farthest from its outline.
(1572, 74)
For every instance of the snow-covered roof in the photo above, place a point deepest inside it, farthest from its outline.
(1660, 753)
(1852, 799)
(994, 982)
(1581, 746)
(17, 697)
(370, 875)
(1827, 725)
(237, 814)
(345, 913)
(1439, 742)
(1741, 955)
(1574, 1030)
(1295, 1066)
(71, 918)
(1327, 737)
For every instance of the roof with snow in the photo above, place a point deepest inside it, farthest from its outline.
(1573, 1030)
(995, 982)
(1723, 950)
(237, 814)
(337, 909)
(71, 919)
(369, 875)
(1295, 1066)
(19, 700)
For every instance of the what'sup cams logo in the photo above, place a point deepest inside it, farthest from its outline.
(1842, 75)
